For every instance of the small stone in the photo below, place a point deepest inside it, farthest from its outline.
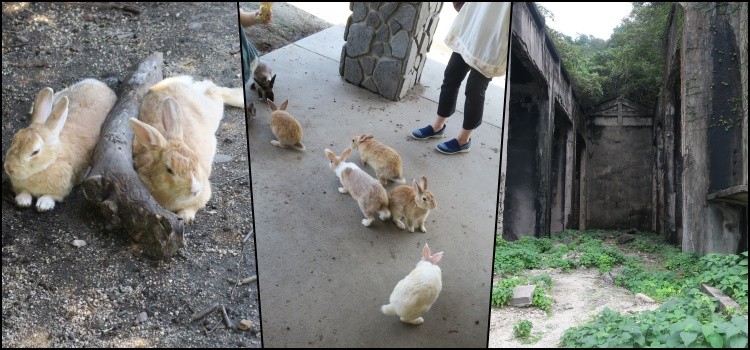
(245, 325)
(126, 289)
(76, 48)
(142, 317)
(644, 298)
(78, 243)
(22, 38)
(625, 238)
(724, 300)
(222, 158)
(522, 295)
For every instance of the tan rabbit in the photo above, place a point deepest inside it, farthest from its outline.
(49, 157)
(287, 130)
(175, 141)
(368, 192)
(413, 203)
(383, 159)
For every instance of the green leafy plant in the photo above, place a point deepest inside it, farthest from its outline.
(688, 321)
(502, 291)
(522, 329)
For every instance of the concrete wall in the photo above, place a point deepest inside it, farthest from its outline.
(620, 166)
(542, 104)
(668, 136)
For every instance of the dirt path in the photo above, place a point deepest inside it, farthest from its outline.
(578, 295)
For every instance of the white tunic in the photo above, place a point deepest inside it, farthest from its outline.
(480, 34)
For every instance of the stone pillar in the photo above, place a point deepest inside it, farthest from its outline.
(386, 45)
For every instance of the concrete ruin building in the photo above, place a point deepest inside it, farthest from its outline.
(678, 168)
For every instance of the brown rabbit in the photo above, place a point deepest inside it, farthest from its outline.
(383, 159)
(263, 82)
(49, 157)
(413, 203)
(287, 130)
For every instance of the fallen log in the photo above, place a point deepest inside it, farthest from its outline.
(113, 185)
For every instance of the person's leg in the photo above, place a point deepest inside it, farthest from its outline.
(476, 86)
(454, 74)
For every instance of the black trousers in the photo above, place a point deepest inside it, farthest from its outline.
(476, 85)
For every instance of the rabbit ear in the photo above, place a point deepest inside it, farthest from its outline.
(331, 156)
(146, 134)
(171, 114)
(258, 82)
(42, 106)
(272, 80)
(368, 137)
(426, 252)
(57, 118)
(434, 258)
(283, 105)
(423, 184)
(346, 153)
(272, 105)
(362, 138)
(416, 186)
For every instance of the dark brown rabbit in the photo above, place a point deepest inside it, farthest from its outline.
(263, 82)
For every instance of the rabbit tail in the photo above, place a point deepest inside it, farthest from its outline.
(388, 310)
(400, 180)
(385, 213)
(300, 146)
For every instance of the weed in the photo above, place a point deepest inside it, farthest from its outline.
(522, 329)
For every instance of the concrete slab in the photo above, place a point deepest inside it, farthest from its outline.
(322, 275)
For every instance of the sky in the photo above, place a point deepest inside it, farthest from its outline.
(597, 19)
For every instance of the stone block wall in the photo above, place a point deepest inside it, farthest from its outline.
(386, 45)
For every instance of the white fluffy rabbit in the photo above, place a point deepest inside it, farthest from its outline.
(415, 294)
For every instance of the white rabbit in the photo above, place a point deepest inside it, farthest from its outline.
(369, 193)
(415, 294)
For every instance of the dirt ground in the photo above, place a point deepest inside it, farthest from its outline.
(108, 293)
(578, 296)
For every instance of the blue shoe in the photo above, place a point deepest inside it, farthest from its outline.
(427, 132)
(452, 147)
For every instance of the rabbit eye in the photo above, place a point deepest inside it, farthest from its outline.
(424, 199)
(169, 170)
(34, 153)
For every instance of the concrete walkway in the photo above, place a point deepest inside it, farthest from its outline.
(322, 275)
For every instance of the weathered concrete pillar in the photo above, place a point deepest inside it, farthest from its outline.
(714, 187)
(569, 176)
(386, 45)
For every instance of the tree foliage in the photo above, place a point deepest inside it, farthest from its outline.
(629, 63)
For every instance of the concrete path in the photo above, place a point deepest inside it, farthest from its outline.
(322, 275)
